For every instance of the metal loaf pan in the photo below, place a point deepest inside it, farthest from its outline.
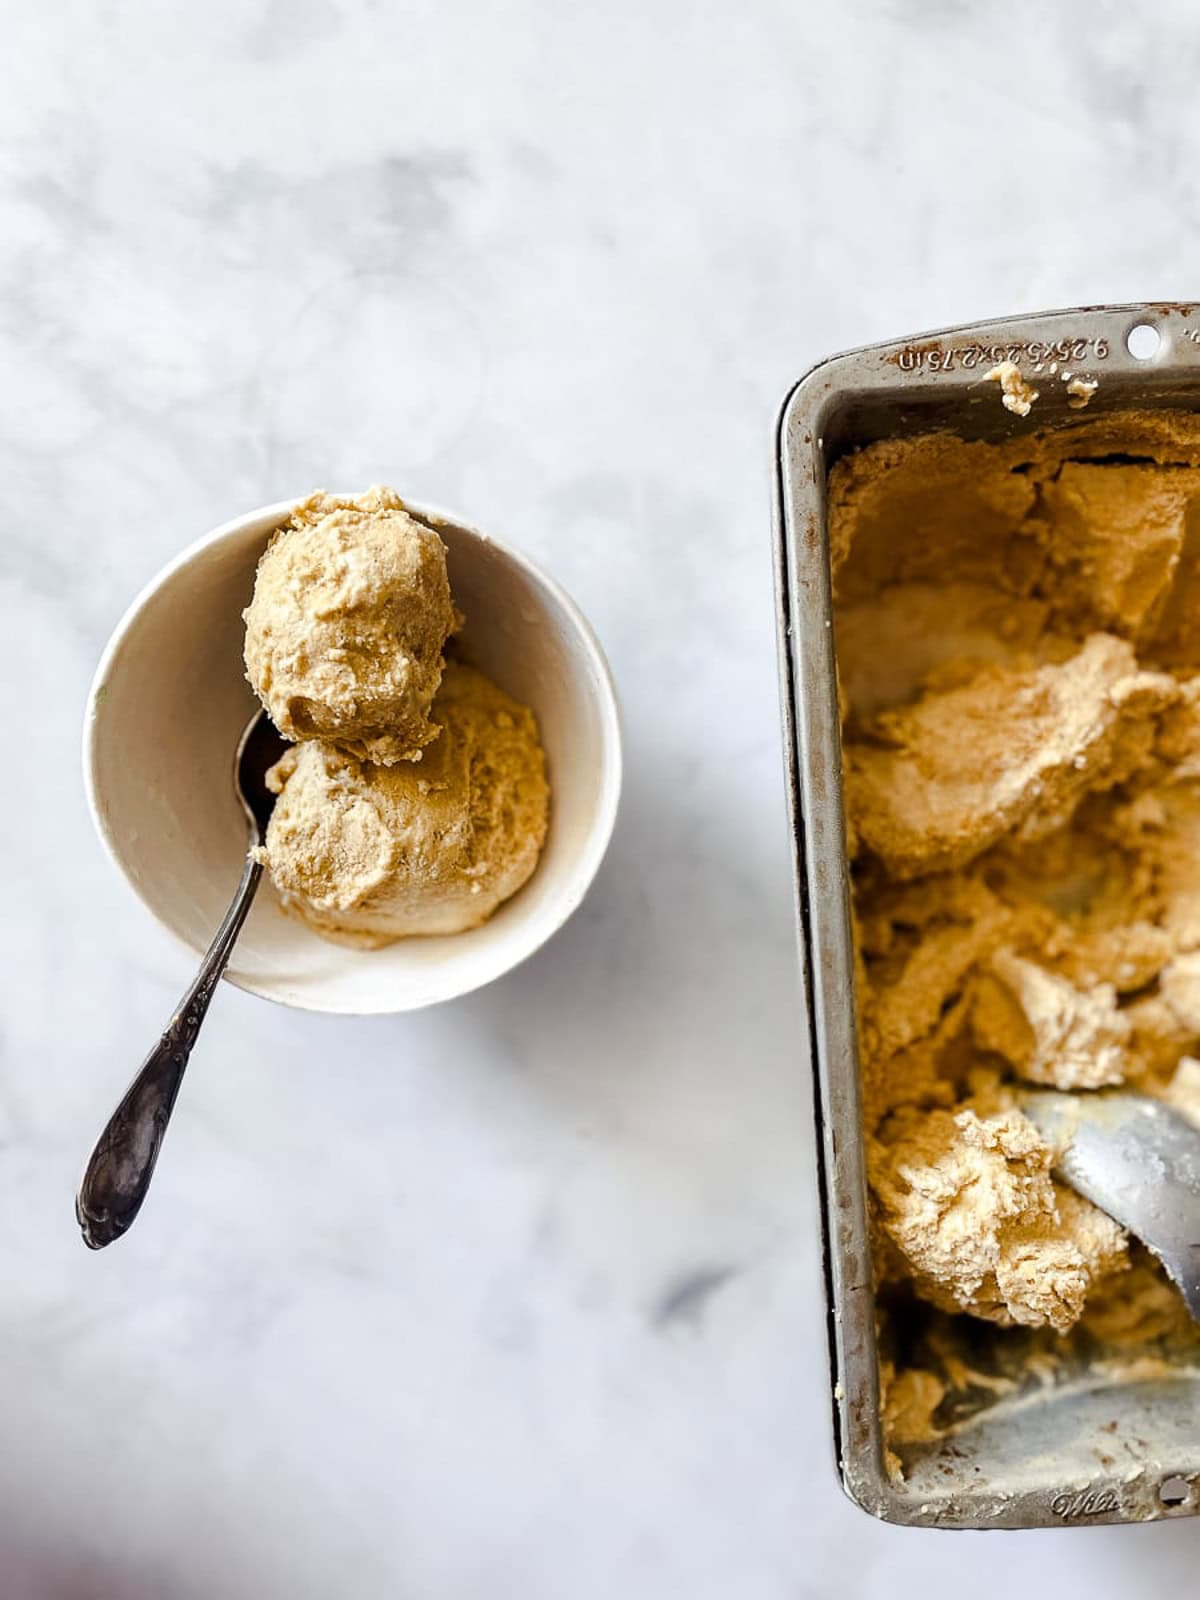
(1087, 1451)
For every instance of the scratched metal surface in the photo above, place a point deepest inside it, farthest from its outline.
(1089, 1450)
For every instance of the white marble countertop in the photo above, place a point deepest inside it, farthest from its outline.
(519, 1297)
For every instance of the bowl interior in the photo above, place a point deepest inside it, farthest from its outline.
(170, 699)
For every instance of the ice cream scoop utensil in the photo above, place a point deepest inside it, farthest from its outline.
(120, 1168)
(1138, 1160)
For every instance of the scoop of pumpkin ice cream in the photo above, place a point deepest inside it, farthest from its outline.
(1007, 751)
(367, 853)
(345, 631)
(969, 1202)
(1048, 1030)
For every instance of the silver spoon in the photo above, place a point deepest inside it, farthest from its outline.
(122, 1164)
(1137, 1159)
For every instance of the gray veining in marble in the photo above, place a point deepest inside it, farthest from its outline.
(537, 1312)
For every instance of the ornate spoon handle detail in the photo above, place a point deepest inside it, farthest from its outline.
(122, 1164)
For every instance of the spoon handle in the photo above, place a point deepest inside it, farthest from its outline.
(122, 1164)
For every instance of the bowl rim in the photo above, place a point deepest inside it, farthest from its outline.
(601, 686)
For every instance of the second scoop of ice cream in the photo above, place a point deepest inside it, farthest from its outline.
(344, 634)
(367, 854)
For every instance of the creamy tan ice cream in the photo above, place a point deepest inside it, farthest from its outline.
(968, 1201)
(1018, 640)
(1019, 655)
(1016, 393)
(367, 853)
(345, 632)
(1039, 740)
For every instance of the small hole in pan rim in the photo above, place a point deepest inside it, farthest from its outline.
(1143, 341)
(1175, 1490)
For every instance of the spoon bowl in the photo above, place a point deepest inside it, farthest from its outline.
(259, 748)
(1138, 1160)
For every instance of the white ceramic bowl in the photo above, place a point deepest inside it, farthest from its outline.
(169, 700)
